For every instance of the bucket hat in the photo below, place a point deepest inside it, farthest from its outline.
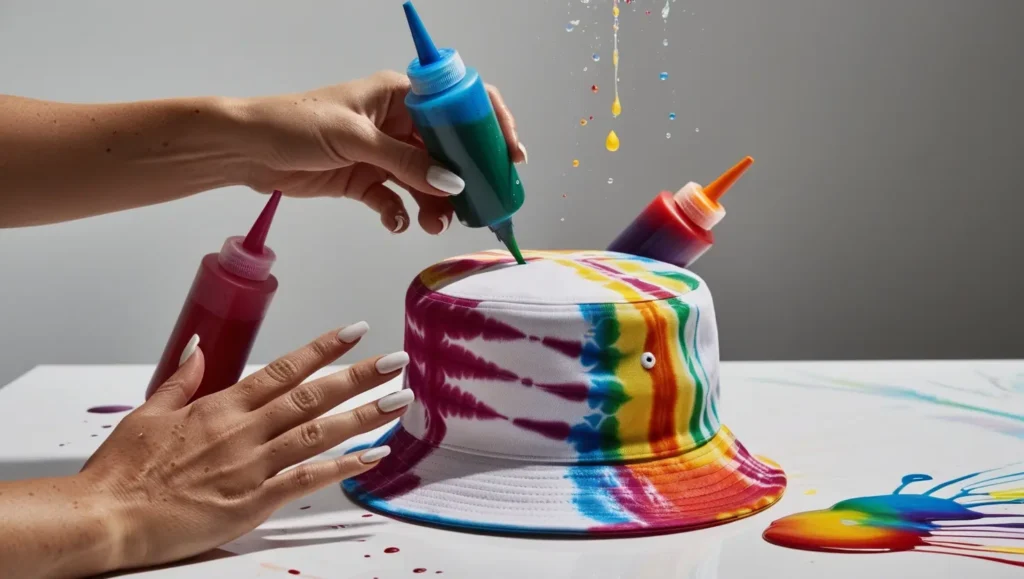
(576, 394)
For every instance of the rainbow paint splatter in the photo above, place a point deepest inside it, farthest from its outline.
(978, 520)
(581, 387)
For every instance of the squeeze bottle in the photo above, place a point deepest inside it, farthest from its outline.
(225, 307)
(452, 112)
(676, 228)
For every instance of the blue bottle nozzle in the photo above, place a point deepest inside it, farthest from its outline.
(425, 48)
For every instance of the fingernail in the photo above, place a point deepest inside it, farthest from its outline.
(445, 180)
(374, 454)
(400, 224)
(522, 149)
(396, 400)
(392, 362)
(445, 222)
(190, 348)
(350, 334)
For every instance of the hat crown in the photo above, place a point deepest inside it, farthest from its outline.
(576, 357)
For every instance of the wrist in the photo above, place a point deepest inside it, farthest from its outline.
(228, 134)
(106, 521)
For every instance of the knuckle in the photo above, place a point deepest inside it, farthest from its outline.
(303, 476)
(283, 371)
(306, 398)
(311, 434)
(408, 160)
(324, 347)
(357, 374)
(363, 417)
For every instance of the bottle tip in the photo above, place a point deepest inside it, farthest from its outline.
(256, 239)
(425, 48)
(719, 186)
(507, 236)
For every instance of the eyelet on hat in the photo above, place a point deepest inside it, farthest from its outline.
(647, 360)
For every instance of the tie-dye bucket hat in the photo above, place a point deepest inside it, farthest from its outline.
(576, 394)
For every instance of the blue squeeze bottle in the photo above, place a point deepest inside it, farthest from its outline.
(452, 112)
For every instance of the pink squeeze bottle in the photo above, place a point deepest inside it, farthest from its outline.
(225, 308)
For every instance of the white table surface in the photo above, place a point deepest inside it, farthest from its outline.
(829, 424)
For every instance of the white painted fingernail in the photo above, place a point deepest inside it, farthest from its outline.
(445, 222)
(399, 224)
(392, 362)
(396, 400)
(350, 334)
(190, 348)
(374, 454)
(522, 149)
(445, 180)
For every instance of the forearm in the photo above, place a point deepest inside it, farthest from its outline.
(57, 527)
(63, 161)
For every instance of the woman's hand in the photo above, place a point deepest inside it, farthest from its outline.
(180, 479)
(348, 140)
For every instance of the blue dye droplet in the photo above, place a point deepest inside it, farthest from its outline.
(597, 57)
(663, 76)
(671, 116)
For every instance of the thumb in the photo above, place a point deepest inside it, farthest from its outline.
(177, 390)
(408, 163)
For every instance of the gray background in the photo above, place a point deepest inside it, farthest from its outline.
(880, 221)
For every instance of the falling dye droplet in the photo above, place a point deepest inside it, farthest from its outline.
(575, 162)
(562, 219)
(591, 117)
(664, 11)
(697, 130)
(663, 76)
(569, 27)
(810, 492)
(596, 57)
(610, 180)
(616, 108)
(671, 116)
(647, 12)
(583, 122)
(664, 42)
(615, 58)
(668, 135)
(593, 88)
(294, 572)
(615, 11)
(612, 142)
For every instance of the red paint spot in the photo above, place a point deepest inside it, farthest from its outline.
(304, 508)
(390, 550)
(419, 570)
(110, 409)
(366, 556)
(367, 516)
(438, 572)
(294, 572)
(591, 117)
(593, 88)
(106, 426)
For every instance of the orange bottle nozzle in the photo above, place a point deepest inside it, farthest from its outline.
(718, 188)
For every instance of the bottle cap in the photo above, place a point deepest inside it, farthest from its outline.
(701, 204)
(249, 257)
(433, 70)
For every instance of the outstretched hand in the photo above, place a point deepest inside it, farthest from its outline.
(348, 140)
(179, 479)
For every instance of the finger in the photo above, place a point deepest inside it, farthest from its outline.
(285, 373)
(389, 205)
(307, 401)
(307, 478)
(177, 390)
(406, 162)
(435, 213)
(516, 150)
(318, 436)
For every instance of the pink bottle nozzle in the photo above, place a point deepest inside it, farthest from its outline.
(249, 256)
(257, 236)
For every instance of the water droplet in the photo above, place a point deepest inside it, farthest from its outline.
(583, 122)
(593, 88)
(610, 180)
(663, 76)
(596, 57)
(697, 130)
(575, 162)
(668, 135)
(584, 69)
(616, 107)
(585, 1)
(664, 11)
(569, 27)
(562, 219)
(671, 116)
(517, 181)
(664, 42)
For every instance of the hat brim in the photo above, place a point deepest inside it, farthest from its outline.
(713, 484)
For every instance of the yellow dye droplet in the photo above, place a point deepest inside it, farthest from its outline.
(575, 163)
(616, 107)
(612, 142)
(615, 58)
(583, 122)
(810, 492)
(615, 10)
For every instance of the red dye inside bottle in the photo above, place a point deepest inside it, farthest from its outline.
(225, 307)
